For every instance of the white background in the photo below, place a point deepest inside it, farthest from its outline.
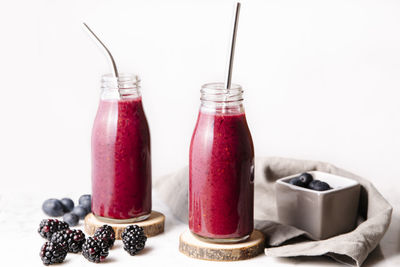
(321, 80)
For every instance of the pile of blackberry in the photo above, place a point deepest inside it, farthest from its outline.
(62, 239)
(134, 239)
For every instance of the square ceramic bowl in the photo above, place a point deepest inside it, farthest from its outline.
(322, 214)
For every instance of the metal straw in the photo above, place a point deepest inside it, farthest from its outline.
(115, 70)
(232, 48)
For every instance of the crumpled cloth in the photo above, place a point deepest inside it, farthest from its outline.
(287, 241)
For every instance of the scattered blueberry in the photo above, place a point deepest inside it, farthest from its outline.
(86, 202)
(296, 181)
(80, 211)
(319, 185)
(85, 197)
(68, 204)
(305, 178)
(53, 207)
(71, 218)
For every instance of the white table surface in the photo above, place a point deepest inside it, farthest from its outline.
(291, 58)
(20, 215)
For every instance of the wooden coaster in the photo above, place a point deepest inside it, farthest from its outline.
(195, 248)
(152, 226)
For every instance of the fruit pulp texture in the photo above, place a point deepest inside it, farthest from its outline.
(121, 164)
(221, 171)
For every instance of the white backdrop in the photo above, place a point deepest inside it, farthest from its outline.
(321, 80)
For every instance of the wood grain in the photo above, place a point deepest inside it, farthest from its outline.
(152, 226)
(196, 248)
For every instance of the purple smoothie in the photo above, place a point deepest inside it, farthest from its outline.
(121, 164)
(221, 167)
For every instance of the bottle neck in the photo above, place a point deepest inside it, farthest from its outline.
(126, 86)
(216, 98)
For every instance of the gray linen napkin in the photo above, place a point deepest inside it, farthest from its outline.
(351, 248)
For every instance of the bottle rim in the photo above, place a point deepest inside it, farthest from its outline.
(217, 92)
(124, 81)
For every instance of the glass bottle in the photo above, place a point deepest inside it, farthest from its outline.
(221, 167)
(121, 161)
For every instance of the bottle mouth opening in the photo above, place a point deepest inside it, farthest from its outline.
(217, 92)
(124, 81)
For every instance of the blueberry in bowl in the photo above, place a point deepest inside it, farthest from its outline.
(318, 185)
(306, 180)
(326, 207)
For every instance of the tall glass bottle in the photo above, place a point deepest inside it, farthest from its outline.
(221, 167)
(121, 162)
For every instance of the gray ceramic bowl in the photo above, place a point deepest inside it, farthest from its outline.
(322, 214)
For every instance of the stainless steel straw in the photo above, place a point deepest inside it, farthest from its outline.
(114, 66)
(232, 47)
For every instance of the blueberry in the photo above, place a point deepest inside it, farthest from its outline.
(305, 178)
(68, 204)
(296, 181)
(53, 207)
(71, 218)
(85, 198)
(86, 202)
(80, 211)
(319, 185)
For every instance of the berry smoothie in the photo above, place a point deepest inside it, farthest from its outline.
(221, 170)
(121, 164)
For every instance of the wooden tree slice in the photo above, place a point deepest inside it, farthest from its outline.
(152, 226)
(196, 248)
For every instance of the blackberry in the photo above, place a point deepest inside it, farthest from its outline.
(134, 239)
(106, 233)
(94, 249)
(72, 239)
(52, 253)
(48, 227)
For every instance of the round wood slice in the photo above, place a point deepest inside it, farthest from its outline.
(152, 226)
(196, 248)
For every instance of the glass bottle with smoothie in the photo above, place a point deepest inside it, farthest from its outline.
(221, 167)
(121, 163)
